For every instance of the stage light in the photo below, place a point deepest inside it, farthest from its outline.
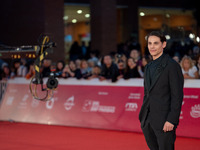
(79, 11)
(197, 39)
(167, 15)
(74, 21)
(191, 36)
(65, 17)
(87, 15)
(142, 14)
(168, 37)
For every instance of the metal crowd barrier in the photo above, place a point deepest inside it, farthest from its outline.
(3, 85)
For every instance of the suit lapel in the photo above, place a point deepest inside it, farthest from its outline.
(158, 72)
(156, 76)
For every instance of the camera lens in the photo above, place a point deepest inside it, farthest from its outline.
(52, 83)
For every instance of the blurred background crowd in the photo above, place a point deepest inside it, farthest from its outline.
(98, 39)
(126, 62)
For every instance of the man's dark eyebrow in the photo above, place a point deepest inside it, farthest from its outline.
(153, 42)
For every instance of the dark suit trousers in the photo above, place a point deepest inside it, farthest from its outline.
(158, 140)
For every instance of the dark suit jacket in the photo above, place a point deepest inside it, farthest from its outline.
(163, 98)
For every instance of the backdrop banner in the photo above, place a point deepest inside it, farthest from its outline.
(94, 104)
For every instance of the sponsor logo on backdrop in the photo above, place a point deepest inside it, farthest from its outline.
(9, 100)
(35, 103)
(94, 106)
(87, 106)
(131, 106)
(102, 93)
(23, 103)
(191, 96)
(69, 103)
(50, 103)
(134, 96)
(195, 111)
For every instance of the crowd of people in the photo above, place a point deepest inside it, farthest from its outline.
(127, 62)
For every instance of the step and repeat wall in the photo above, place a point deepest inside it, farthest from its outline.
(94, 104)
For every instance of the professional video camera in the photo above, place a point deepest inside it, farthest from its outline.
(52, 83)
(39, 52)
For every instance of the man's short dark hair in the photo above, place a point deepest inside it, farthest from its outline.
(158, 34)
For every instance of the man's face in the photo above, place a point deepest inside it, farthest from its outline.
(155, 46)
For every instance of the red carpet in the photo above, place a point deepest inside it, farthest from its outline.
(22, 136)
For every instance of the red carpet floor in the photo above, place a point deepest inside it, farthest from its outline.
(22, 136)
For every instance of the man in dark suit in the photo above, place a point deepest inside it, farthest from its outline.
(163, 96)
